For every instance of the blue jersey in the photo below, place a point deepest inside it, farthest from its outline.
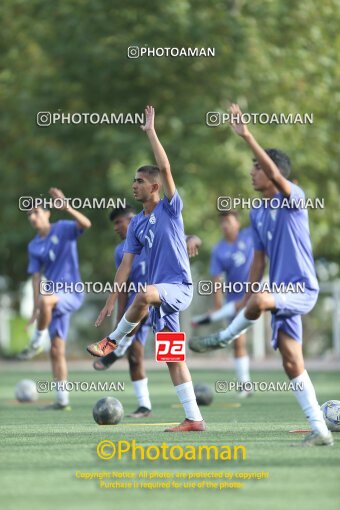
(234, 260)
(56, 255)
(161, 234)
(283, 234)
(138, 271)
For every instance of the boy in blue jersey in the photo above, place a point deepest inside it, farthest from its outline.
(135, 341)
(53, 253)
(231, 256)
(159, 230)
(281, 234)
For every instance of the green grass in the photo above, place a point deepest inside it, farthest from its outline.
(41, 451)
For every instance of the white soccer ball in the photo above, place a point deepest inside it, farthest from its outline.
(26, 391)
(331, 413)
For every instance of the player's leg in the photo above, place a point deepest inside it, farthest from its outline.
(139, 379)
(293, 363)
(241, 364)
(181, 378)
(132, 317)
(256, 305)
(227, 311)
(175, 298)
(36, 344)
(58, 330)
(59, 371)
(168, 300)
(107, 361)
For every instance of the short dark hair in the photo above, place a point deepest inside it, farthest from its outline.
(281, 160)
(121, 211)
(232, 212)
(151, 170)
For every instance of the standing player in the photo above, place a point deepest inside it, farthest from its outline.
(135, 341)
(281, 233)
(159, 230)
(232, 256)
(53, 253)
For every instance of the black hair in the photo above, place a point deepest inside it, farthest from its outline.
(151, 170)
(281, 160)
(121, 211)
(232, 212)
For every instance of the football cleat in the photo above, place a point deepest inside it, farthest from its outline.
(200, 320)
(30, 352)
(56, 407)
(207, 343)
(141, 412)
(105, 362)
(318, 439)
(188, 426)
(245, 393)
(102, 348)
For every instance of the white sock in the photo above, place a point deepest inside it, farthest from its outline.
(227, 311)
(38, 337)
(62, 393)
(124, 328)
(142, 392)
(308, 402)
(186, 395)
(242, 369)
(238, 326)
(123, 346)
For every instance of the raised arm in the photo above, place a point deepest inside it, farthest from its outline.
(122, 276)
(82, 221)
(265, 162)
(159, 153)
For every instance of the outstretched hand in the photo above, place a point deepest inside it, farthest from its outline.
(105, 312)
(236, 121)
(149, 119)
(59, 198)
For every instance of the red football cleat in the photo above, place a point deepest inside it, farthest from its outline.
(188, 426)
(102, 348)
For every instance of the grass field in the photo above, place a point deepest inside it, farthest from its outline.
(41, 451)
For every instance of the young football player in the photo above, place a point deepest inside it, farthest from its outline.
(231, 256)
(159, 230)
(282, 234)
(53, 253)
(135, 341)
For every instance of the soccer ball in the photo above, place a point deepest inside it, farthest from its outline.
(26, 391)
(331, 413)
(108, 411)
(204, 395)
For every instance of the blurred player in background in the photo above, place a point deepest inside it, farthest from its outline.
(159, 230)
(281, 234)
(135, 341)
(53, 253)
(231, 256)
